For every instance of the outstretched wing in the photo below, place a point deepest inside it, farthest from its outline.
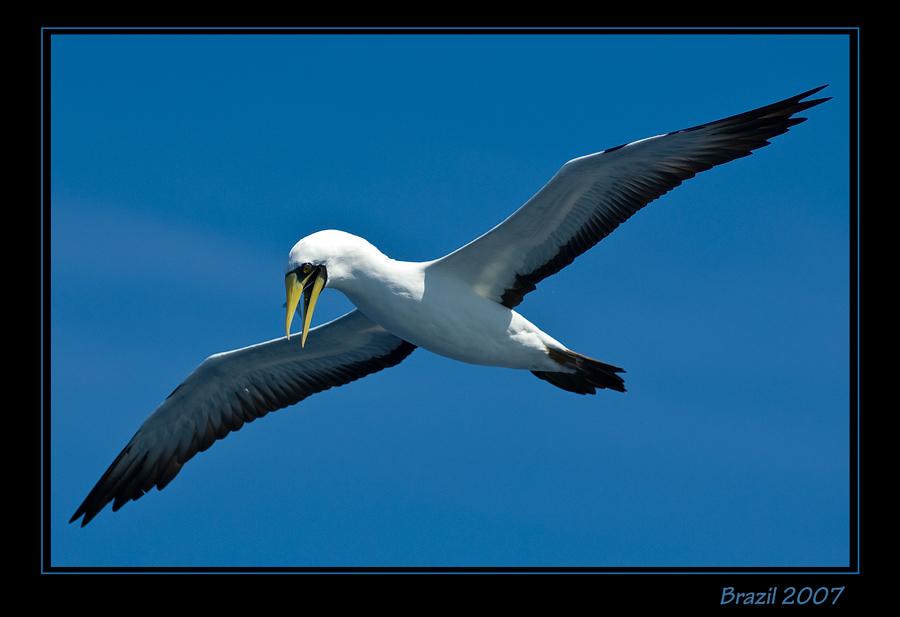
(590, 196)
(235, 387)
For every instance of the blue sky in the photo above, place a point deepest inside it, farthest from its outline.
(184, 168)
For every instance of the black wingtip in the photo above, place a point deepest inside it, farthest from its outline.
(77, 515)
(812, 103)
(811, 92)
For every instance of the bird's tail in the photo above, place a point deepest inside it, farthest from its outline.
(584, 374)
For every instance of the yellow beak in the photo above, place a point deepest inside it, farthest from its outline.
(295, 289)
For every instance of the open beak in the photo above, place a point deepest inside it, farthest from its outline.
(310, 288)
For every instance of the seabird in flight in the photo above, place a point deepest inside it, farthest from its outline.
(459, 306)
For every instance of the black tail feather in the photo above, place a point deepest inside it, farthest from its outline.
(588, 375)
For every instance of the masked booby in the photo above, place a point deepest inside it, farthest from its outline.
(459, 306)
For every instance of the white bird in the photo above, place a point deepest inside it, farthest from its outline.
(459, 306)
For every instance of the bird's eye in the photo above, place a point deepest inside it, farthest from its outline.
(306, 269)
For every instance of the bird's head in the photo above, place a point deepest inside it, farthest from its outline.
(316, 262)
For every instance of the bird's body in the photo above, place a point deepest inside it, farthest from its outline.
(427, 305)
(461, 306)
